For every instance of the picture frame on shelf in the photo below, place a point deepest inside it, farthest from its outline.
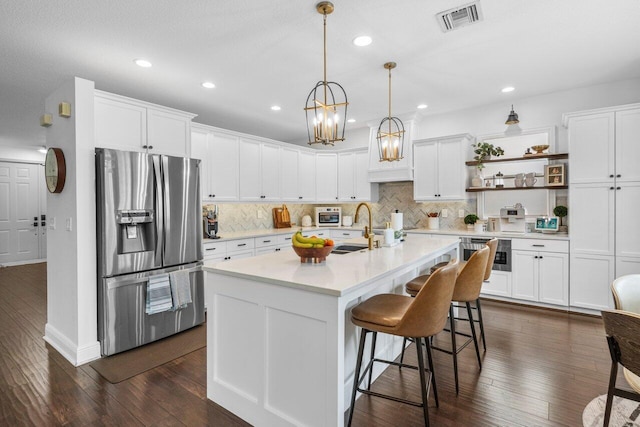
(555, 175)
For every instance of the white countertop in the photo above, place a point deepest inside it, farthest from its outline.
(339, 274)
(234, 235)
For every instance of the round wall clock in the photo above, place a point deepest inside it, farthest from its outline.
(55, 170)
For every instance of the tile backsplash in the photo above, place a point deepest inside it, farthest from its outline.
(395, 195)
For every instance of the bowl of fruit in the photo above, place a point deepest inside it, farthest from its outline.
(311, 249)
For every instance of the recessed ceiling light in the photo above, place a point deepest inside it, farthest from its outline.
(422, 106)
(508, 89)
(208, 85)
(351, 120)
(142, 63)
(275, 108)
(362, 41)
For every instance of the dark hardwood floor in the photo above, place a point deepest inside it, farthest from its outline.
(541, 368)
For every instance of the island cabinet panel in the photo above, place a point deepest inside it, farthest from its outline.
(280, 346)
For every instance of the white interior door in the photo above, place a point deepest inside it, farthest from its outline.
(19, 212)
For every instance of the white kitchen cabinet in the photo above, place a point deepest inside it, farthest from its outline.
(125, 123)
(604, 196)
(307, 176)
(499, 284)
(259, 171)
(273, 243)
(339, 235)
(353, 177)
(327, 177)
(214, 251)
(219, 154)
(540, 271)
(439, 168)
(297, 175)
(168, 133)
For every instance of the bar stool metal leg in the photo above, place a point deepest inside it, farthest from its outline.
(454, 346)
(484, 343)
(373, 355)
(424, 385)
(433, 376)
(356, 375)
(473, 333)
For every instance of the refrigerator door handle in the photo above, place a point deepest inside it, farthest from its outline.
(159, 204)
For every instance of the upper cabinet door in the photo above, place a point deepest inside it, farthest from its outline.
(224, 154)
(306, 176)
(628, 145)
(289, 181)
(425, 180)
(270, 171)
(346, 177)
(250, 171)
(451, 169)
(119, 125)
(168, 133)
(199, 143)
(326, 177)
(365, 190)
(592, 148)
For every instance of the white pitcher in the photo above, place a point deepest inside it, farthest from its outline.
(519, 180)
(530, 179)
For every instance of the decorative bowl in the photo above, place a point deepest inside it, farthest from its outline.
(313, 255)
(540, 148)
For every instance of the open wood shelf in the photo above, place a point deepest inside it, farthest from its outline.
(478, 189)
(556, 156)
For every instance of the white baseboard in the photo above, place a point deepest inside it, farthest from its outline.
(76, 355)
(28, 261)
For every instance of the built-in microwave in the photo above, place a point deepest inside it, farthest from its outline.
(328, 216)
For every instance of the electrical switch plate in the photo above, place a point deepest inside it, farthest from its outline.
(259, 213)
(461, 213)
(52, 223)
(445, 213)
(69, 224)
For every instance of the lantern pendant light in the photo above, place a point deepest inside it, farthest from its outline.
(326, 107)
(513, 117)
(390, 131)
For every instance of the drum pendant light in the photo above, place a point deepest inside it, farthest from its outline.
(326, 107)
(390, 134)
(513, 118)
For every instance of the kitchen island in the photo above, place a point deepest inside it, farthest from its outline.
(280, 346)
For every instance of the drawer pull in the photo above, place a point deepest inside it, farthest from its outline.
(346, 234)
(538, 246)
(287, 238)
(266, 241)
(242, 244)
(211, 249)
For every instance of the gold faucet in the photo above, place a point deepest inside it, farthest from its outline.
(368, 231)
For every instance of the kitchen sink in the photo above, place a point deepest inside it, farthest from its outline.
(345, 249)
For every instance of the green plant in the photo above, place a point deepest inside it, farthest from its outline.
(483, 150)
(560, 211)
(471, 219)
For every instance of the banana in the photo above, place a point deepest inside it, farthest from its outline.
(318, 245)
(299, 244)
(313, 240)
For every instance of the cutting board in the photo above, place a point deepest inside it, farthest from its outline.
(281, 218)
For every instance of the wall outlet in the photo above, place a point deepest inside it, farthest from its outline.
(259, 213)
(69, 224)
(445, 213)
(461, 213)
(52, 223)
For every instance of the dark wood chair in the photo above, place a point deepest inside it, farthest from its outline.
(419, 318)
(623, 336)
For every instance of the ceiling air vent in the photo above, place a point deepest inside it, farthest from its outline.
(459, 16)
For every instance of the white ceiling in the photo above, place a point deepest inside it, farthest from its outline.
(261, 53)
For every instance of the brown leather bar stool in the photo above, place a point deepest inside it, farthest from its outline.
(419, 318)
(467, 290)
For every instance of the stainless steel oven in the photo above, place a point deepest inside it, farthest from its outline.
(502, 262)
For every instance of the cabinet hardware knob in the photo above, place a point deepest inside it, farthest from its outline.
(618, 176)
(35, 224)
(540, 257)
(300, 197)
(611, 176)
(610, 188)
(618, 188)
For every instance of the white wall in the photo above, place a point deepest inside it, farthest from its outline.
(71, 251)
(18, 154)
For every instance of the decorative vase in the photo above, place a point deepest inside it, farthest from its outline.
(477, 227)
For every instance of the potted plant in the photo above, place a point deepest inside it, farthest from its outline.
(483, 151)
(561, 211)
(470, 220)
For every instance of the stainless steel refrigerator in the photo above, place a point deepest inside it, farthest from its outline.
(149, 223)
